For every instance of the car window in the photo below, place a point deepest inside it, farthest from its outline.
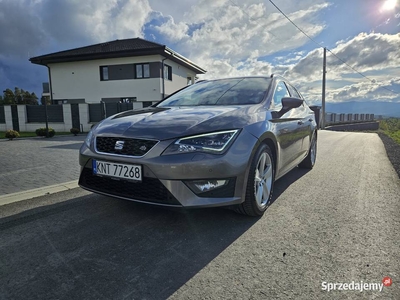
(232, 91)
(293, 91)
(280, 92)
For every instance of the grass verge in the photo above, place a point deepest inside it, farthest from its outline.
(391, 127)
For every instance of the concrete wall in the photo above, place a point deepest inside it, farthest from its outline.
(65, 126)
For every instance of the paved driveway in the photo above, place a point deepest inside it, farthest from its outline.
(38, 162)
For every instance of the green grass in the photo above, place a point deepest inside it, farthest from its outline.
(395, 135)
(31, 134)
(391, 127)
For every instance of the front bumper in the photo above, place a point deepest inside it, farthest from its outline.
(164, 176)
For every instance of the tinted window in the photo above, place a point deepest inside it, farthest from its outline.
(235, 91)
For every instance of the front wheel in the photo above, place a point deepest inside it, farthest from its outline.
(259, 184)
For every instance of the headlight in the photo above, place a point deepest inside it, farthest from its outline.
(89, 138)
(214, 142)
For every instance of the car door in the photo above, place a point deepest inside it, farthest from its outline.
(287, 131)
(305, 119)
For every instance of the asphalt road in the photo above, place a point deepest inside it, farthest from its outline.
(338, 223)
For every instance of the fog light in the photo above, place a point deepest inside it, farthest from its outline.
(202, 186)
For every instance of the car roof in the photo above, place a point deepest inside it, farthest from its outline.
(244, 77)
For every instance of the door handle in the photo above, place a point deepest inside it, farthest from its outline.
(310, 120)
(300, 123)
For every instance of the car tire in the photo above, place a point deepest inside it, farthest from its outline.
(309, 161)
(259, 184)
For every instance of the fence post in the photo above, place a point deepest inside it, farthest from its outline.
(84, 116)
(67, 117)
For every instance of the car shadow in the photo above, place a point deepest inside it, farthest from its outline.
(94, 247)
(284, 182)
(100, 247)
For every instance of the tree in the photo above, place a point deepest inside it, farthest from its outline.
(45, 98)
(19, 96)
(8, 97)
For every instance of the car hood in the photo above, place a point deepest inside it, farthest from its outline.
(173, 122)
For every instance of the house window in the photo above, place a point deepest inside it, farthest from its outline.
(104, 73)
(167, 72)
(142, 70)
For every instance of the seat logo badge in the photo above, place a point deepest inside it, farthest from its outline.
(119, 145)
(143, 148)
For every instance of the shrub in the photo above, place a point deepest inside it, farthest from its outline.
(11, 134)
(42, 132)
(74, 131)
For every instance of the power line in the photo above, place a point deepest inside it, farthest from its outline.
(359, 73)
(330, 51)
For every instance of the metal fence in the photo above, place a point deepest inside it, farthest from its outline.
(37, 114)
(99, 111)
(2, 115)
(332, 118)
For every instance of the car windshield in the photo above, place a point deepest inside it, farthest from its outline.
(233, 91)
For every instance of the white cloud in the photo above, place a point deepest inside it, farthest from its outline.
(232, 32)
(367, 53)
(174, 32)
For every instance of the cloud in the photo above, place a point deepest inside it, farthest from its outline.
(20, 28)
(94, 21)
(226, 37)
(227, 33)
(364, 52)
(35, 27)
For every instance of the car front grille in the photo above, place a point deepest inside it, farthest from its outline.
(149, 190)
(131, 147)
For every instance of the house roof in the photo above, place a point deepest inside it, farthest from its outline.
(115, 49)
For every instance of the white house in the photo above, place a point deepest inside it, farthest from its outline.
(130, 70)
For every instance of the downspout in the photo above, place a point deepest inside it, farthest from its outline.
(50, 86)
(45, 103)
(163, 79)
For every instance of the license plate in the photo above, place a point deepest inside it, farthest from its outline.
(117, 170)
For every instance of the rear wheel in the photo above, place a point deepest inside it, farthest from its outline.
(309, 161)
(259, 184)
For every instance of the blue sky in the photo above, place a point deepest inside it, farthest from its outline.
(226, 37)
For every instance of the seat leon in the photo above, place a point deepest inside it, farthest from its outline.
(215, 143)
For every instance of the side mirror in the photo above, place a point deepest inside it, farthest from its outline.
(289, 103)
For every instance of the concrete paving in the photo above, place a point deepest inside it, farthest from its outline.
(34, 163)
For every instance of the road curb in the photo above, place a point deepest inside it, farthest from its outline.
(25, 195)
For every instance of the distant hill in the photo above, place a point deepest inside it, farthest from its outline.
(387, 109)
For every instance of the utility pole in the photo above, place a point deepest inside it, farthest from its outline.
(323, 91)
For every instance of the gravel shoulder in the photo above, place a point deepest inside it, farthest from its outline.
(392, 150)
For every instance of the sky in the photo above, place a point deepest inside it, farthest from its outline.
(225, 37)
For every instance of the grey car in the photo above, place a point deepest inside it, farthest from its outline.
(214, 143)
